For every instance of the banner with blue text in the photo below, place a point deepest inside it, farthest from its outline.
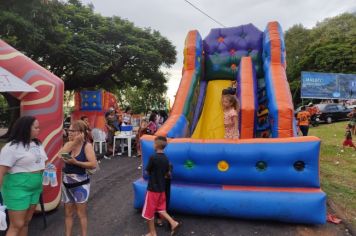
(328, 85)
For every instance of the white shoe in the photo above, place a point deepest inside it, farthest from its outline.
(139, 167)
(107, 158)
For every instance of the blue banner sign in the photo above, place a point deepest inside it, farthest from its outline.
(328, 85)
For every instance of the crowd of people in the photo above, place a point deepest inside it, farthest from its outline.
(23, 160)
(115, 121)
(308, 114)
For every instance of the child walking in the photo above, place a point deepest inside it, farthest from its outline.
(158, 170)
(231, 108)
(168, 177)
(348, 137)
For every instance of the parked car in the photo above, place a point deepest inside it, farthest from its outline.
(351, 107)
(333, 112)
(329, 112)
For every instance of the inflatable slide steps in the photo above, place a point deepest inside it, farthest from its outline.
(263, 127)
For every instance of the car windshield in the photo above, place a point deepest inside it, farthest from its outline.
(342, 107)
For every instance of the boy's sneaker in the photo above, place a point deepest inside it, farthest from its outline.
(139, 167)
(107, 158)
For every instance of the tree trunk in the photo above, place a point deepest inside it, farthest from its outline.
(14, 109)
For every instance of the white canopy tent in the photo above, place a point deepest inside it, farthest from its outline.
(11, 83)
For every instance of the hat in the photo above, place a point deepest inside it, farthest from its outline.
(310, 104)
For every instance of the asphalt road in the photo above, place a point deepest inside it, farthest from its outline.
(111, 213)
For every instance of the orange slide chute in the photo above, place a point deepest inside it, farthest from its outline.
(189, 72)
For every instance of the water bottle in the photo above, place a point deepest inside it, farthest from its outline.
(53, 176)
(45, 180)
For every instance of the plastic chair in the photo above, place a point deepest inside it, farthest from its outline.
(99, 137)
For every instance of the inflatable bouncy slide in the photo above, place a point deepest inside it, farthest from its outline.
(93, 104)
(269, 173)
(46, 105)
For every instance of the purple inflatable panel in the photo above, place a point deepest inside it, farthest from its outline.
(242, 38)
(199, 106)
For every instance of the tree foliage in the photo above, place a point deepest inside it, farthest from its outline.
(328, 47)
(141, 99)
(86, 49)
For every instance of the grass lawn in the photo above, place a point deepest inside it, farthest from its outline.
(337, 168)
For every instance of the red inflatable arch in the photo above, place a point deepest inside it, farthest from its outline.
(46, 105)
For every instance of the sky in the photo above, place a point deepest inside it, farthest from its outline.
(174, 18)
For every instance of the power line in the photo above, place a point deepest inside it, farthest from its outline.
(205, 13)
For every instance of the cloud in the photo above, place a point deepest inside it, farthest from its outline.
(174, 75)
(174, 18)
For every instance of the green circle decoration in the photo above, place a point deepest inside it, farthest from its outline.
(189, 164)
(261, 166)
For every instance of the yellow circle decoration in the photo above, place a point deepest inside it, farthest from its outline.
(223, 166)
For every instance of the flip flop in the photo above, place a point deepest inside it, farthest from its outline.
(175, 230)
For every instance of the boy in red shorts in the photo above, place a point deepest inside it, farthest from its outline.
(348, 137)
(158, 170)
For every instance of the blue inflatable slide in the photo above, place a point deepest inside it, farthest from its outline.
(269, 173)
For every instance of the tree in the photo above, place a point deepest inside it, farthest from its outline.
(87, 50)
(143, 99)
(296, 40)
(328, 47)
(83, 48)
